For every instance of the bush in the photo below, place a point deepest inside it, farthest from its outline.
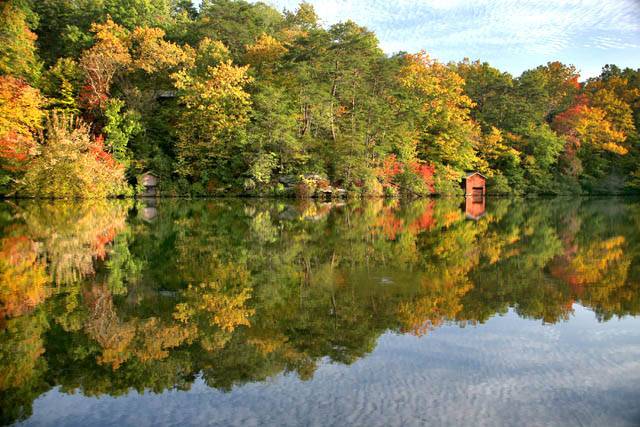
(372, 187)
(69, 163)
(446, 183)
(498, 184)
(412, 184)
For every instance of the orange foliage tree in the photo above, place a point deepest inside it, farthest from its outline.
(20, 119)
(109, 55)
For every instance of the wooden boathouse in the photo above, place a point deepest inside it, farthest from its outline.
(474, 184)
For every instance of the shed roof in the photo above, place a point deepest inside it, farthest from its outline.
(470, 174)
(149, 179)
(166, 94)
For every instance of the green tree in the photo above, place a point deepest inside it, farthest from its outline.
(435, 96)
(18, 56)
(119, 129)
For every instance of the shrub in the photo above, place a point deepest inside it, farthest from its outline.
(69, 163)
(371, 186)
(498, 184)
(447, 182)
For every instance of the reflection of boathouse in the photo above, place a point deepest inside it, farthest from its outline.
(475, 206)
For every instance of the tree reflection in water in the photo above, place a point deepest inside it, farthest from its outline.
(112, 296)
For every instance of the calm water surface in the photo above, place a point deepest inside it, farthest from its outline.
(232, 312)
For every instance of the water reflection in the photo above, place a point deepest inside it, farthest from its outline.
(112, 296)
(475, 206)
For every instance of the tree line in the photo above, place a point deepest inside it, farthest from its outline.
(239, 98)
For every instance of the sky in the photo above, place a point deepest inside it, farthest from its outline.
(513, 35)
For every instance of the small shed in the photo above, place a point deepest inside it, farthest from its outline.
(474, 184)
(149, 181)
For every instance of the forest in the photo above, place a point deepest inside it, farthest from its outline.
(237, 98)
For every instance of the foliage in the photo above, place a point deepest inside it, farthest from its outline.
(216, 111)
(23, 276)
(61, 84)
(18, 56)
(119, 129)
(100, 64)
(446, 133)
(70, 163)
(20, 120)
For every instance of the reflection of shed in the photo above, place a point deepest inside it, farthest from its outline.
(475, 207)
(148, 209)
(149, 213)
(150, 183)
(474, 184)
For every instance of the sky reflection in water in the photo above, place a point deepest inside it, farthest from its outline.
(299, 313)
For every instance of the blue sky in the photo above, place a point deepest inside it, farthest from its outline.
(512, 35)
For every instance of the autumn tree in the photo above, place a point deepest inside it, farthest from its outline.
(216, 111)
(265, 52)
(435, 96)
(490, 90)
(304, 17)
(501, 162)
(236, 23)
(540, 94)
(65, 27)
(100, 64)
(592, 139)
(61, 83)
(20, 120)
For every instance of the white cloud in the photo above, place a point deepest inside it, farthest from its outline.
(511, 33)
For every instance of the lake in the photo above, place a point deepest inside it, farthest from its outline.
(274, 312)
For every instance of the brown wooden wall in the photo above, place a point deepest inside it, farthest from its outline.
(475, 181)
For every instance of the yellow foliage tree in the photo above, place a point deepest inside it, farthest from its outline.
(446, 132)
(217, 109)
(20, 119)
(264, 52)
(70, 163)
(109, 55)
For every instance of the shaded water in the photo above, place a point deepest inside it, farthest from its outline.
(233, 312)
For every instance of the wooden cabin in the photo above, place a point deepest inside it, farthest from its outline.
(474, 184)
(150, 183)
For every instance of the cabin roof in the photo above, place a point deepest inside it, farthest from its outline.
(166, 94)
(470, 174)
